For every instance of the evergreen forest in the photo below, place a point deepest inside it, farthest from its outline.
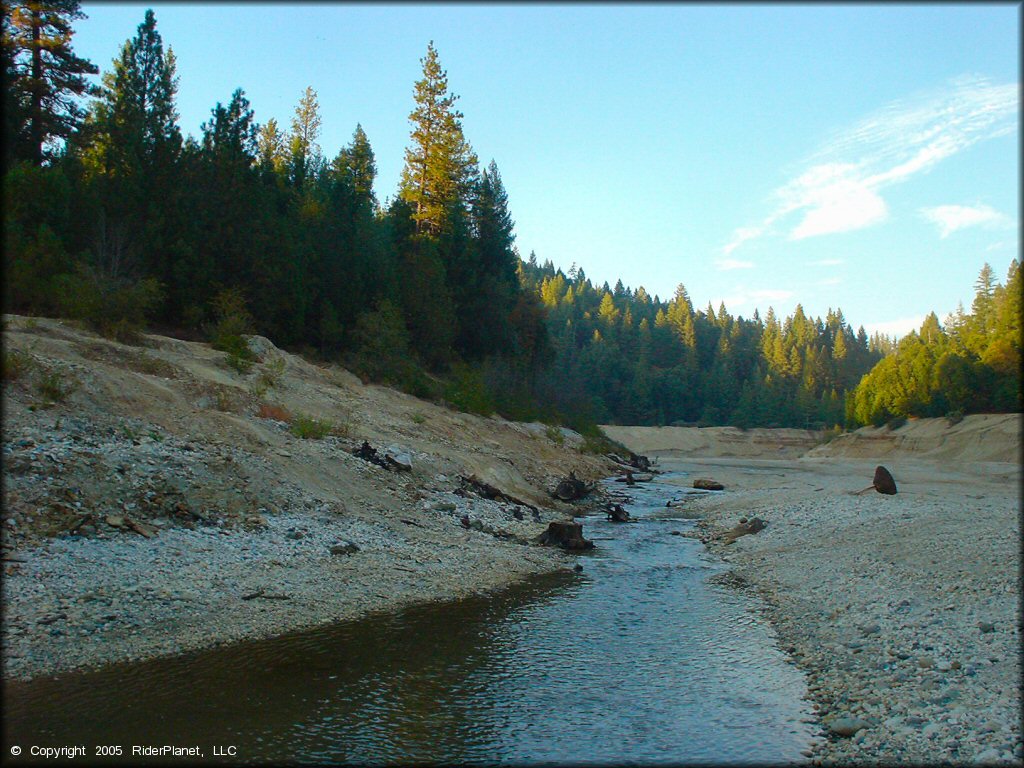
(114, 218)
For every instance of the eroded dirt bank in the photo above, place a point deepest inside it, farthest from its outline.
(155, 499)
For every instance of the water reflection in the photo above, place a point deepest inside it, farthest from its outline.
(638, 658)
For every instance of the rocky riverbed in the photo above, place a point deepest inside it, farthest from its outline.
(903, 610)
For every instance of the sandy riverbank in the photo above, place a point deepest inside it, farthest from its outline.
(903, 610)
(155, 508)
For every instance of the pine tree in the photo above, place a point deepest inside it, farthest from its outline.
(439, 165)
(303, 148)
(231, 133)
(45, 76)
(273, 158)
(133, 127)
(356, 164)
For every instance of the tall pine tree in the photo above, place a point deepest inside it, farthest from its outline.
(439, 165)
(44, 75)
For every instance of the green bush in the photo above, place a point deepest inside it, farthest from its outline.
(954, 417)
(17, 363)
(115, 308)
(467, 391)
(233, 322)
(554, 434)
(896, 422)
(309, 428)
(54, 387)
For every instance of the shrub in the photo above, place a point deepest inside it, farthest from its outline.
(554, 434)
(467, 391)
(275, 412)
(233, 321)
(54, 387)
(17, 363)
(418, 418)
(896, 423)
(116, 308)
(309, 428)
(273, 370)
(828, 435)
(954, 417)
(154, 366)
(225, 400)
(269, 377)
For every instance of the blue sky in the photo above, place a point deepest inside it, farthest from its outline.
(856, 156)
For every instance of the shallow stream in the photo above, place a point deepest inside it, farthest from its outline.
(636, 659)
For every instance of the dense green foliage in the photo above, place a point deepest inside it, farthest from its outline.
(250, 229)
(972, 365)
(640, 360)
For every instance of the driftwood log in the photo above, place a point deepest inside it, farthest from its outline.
(566, 535)
(631, 479)
(745, 527)
(618, 514)
(708, 485)
(634, 461)
(487, 491)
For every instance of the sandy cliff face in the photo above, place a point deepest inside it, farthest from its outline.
(715, 442)
(977, 438)
(981, 437)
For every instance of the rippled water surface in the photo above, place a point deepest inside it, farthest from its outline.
(636, 659)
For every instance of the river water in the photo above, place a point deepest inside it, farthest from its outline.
(636, 659)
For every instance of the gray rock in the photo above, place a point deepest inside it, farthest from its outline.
(987, 756)
(348, 548)
(985, 626)
(401, 459)
(847, 726)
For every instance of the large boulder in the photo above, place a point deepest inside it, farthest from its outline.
(884, 482)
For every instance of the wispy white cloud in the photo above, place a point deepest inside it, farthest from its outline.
(725, 265)
(1003, 245)
(897, 328)
(740, 236)
(830, 281)
(840, 186)
(950, 218)
(826, 263)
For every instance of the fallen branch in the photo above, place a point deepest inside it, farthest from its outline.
(263, 593)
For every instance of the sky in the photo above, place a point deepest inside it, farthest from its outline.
(859, 157)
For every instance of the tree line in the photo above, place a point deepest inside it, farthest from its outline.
(114, 218)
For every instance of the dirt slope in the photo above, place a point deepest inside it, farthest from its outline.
(167, 437)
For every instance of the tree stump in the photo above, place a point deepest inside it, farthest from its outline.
(571, 488)
(567, 535)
